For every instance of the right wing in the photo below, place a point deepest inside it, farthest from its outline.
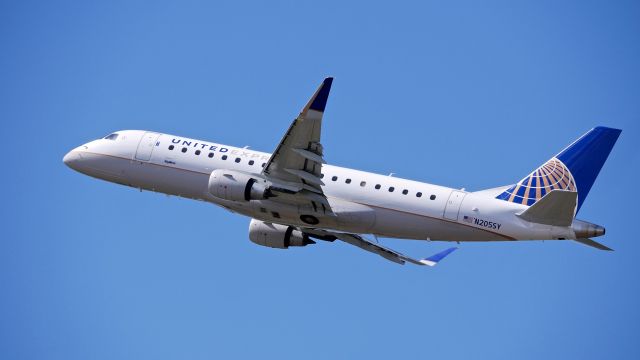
(389, 254)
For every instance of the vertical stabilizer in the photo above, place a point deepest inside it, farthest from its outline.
(573, 169)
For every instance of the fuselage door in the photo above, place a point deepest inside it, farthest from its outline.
(452, 209)
(146, 145)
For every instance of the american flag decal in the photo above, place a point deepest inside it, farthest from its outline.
(468, 219)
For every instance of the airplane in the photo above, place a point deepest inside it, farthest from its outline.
(294, 197)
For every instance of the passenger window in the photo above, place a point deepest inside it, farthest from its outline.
(321, 176)
(224, 157)
(197, 152)
(264, 164)
(405, 192)
(184, 150)
(432, 197)
(334, 178)
(418, 194)
(170, 147)
(348, 181)
(363, 183)
(251, 162)
(377, 186)
(210, 154)
(391, 188)
(237, 160)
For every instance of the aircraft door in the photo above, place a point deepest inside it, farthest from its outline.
(146, 145)
(452, 208)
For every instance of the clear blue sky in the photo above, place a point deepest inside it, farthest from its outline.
(453, 93)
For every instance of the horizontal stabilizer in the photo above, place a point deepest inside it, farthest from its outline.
(556, 208)
(594, 244)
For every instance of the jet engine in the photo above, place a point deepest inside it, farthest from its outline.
(276, 235)
(237, 186)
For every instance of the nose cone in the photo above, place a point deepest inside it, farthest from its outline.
(71, 159)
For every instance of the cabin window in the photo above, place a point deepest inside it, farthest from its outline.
(348, 181)
(251, 162)
(391, 188)
(237, 160)
(405, 192)
(363, 183)
(418, 194)
(210, 154)
(224, 157)
(170, 147)
(264, 164)
(432, 197)
(275, 214)
(334, 178)
(321, 176)
(378, 186)
(197, 152)
(184, 149)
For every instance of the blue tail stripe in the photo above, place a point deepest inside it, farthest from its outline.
(586, 156)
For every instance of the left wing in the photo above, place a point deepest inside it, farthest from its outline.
(298, 158)
(385, 252)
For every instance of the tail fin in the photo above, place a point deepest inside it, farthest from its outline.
(574, 169)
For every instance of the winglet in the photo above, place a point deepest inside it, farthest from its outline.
(318, 101)
(434, 259)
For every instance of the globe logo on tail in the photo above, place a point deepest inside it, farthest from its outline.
(553, 175)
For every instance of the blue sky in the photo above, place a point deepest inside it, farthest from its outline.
(453, 93)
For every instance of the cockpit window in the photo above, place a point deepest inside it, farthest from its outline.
(111, 136)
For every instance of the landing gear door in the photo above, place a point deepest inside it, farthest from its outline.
(452, 209)
(146, 145)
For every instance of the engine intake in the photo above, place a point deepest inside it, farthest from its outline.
(276, 235)
(236, 186)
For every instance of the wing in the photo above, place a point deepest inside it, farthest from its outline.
(385, 252)
(298, 158)
(296, 164)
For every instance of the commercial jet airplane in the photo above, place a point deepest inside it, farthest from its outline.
(292, 196)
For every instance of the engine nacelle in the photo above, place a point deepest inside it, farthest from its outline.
(276, 235)
(236, 186)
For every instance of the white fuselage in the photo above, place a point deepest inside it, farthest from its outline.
(363, 202)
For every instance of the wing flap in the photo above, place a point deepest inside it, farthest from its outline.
(311, 178)
(309, 155)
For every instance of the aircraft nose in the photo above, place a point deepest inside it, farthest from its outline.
(71, 159)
